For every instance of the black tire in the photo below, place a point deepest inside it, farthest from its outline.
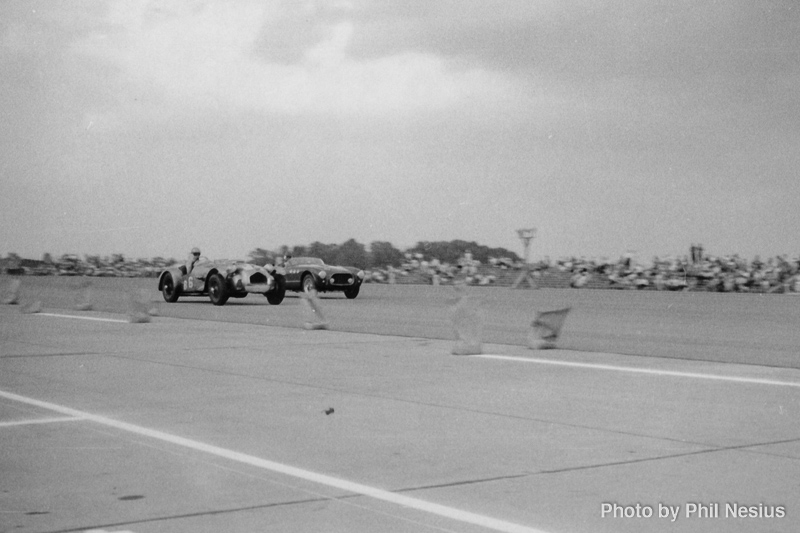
(275, 297)
(169, 290)
(308, 284)
(352, 292)
(218, 290)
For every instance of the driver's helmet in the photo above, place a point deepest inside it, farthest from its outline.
(196, 251)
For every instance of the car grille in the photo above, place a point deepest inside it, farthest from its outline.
(257, 278)
(342, 279)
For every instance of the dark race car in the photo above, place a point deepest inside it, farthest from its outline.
(220, 280)
(311, 273)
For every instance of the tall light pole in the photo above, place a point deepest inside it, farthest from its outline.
(526, 236)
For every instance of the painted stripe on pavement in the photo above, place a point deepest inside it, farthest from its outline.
(98, 319)
(652, 371)
(40, 421)
(322, 479)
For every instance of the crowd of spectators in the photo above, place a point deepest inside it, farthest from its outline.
(728, 273)
(694, 272)
(93, 266)
(435, 272)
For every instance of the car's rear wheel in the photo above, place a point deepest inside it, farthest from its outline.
(276, 295)
(352, 292)
(169, 290)
(218, 290)
(308, 283)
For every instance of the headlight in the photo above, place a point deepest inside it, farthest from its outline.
(360, 274)
(322, 274)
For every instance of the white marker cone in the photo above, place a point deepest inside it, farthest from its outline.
(12, 296)
(468, 323)
(546, 328)
(84, 295)
(317, 320)
(138, 307)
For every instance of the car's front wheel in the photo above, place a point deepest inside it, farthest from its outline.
(352, 292)
(218, 290)
(308, 283)
(169, 290)
(276, 295)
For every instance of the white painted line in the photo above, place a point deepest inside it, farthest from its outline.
(40, 421)
(104, 531)
(98, 319)
(673, 373)
(322, 479)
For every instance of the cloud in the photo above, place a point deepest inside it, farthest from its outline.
(212, 54)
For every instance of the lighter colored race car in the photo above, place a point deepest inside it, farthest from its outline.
(221, 280)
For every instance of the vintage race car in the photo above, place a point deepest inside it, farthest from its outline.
(221, 280)
(312, 274)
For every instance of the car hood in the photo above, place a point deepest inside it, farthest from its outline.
(336, 269)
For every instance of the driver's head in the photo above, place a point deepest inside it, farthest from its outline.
(196, 252)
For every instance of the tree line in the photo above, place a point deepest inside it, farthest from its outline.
(379, 254)
(382, 254)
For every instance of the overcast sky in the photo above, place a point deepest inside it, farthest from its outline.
(147, 128)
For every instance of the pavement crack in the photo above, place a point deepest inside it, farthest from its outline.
(59, 354)
(200, 514)
(670, 456)
(462, 483)
(588, 467)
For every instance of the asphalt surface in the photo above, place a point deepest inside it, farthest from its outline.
(757, 329)
(238, 419)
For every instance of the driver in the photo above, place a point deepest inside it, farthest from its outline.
(193, 258)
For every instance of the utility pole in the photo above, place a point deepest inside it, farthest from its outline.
(526, 236)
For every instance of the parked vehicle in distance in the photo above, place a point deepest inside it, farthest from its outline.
(312, 274)
(221, 280)
(72, 265)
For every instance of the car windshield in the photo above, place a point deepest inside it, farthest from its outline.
(305, 261)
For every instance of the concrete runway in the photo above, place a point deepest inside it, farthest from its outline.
(236, 419)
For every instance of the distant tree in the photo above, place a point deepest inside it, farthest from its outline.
(13, 261)
(383, 254)
(447, 252)
(351, 253)
(260, 256)
(498, 252)
(299, 251)
(326, 252)
(452, 251)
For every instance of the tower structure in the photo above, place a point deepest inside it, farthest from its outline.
(526, 235)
